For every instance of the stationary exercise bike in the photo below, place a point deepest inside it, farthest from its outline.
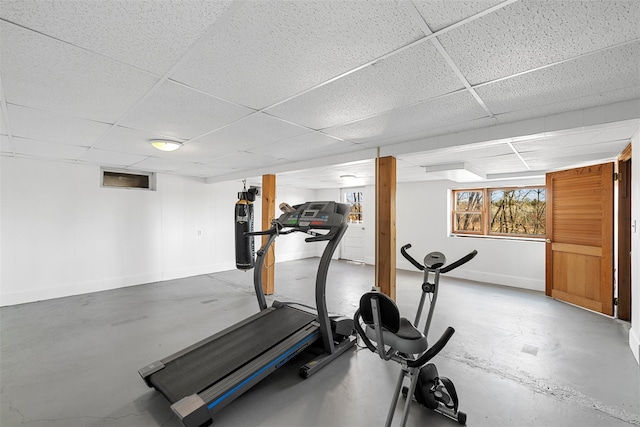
(396, 338)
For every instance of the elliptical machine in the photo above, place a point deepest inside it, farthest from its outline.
(408, 346)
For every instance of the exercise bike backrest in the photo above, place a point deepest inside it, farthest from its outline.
(434, 262)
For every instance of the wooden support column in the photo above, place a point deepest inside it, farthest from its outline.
(386, 225)
(268, 213)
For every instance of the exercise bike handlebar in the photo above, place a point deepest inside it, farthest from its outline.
(465, 259)
(416, 264)
(433, 350)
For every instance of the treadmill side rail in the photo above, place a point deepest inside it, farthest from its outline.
(192, 411)
(149, 370)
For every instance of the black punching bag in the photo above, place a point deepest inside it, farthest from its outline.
(243, 224)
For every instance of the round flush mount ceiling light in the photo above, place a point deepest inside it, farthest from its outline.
(165, 144)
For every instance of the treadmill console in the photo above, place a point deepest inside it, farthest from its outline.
(315, 215)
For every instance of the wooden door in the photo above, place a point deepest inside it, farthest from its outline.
(579, 249)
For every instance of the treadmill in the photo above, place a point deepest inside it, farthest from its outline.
(202, 379)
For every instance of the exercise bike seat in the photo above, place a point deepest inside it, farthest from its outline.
(397, 332)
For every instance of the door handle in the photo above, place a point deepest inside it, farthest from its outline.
(548, 240)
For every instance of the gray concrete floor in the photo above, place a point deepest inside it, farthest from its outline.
(517, 358)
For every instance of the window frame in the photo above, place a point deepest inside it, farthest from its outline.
(486, 214)
(482, 212)
(358, 201)
(151, 179)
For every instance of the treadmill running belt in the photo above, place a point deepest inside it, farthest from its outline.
(204, 366)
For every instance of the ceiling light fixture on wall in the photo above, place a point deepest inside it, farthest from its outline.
(348, 176)
(165, 144)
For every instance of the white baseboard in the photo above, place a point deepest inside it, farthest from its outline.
(634, 343)
(42, 294)
(488, 277)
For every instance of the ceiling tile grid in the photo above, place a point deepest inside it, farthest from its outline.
(54, 127)
(178, 111)
(458, 154)
(439, 14)
(47, 74)
(245, 161)
(110, 158)
(47, 150)
(252, 131)
(151, 35)
(416, 74)
(532, 33)
(456, 108)
(306, 146)
(246, 85)
(274, 50)
(576, 104)
(130, 141)
(605, 71)
(6, 146)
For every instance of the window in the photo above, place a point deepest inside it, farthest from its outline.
(513, 212)
(113, 178)
(467, 216)
(354, 200)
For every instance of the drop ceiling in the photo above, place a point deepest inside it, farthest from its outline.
(313, 90)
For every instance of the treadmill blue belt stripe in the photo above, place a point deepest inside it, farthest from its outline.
(257, 373)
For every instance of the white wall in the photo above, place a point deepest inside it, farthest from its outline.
(634, 332)
(62, 234)
(293, 246)
(422, 214)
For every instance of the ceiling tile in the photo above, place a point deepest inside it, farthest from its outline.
(54, 127)
(245, 161)
(151, 35)
(529, 34)
(275, 49)
(448, 110)
(439, 14)
(581, 103)
(51, 150)
(568, 162)
(5, 144)
(465, 153)
(110, 158)
(3, 125)
(47, 74)
(570, 144)
(178, 111)
(414, 75)
(130, 141)
(605, 71)
(454, 131)
(201, 170)
(136, 142)
(506, 163)
(310, 145)
(253, 131)
(157, 165)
